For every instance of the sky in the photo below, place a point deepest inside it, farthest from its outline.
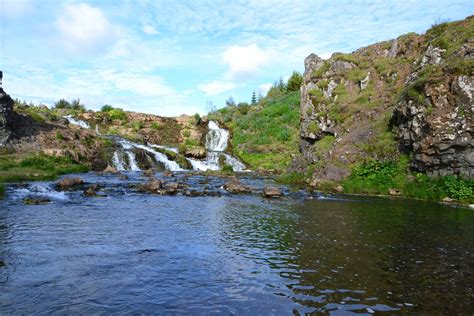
(179, 57)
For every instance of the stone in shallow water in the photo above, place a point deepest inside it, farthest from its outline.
(69, 183)
(235, 186)
(272, 192)
(36, 200)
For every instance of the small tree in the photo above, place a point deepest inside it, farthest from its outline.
(107, 108)
(254, 98)
(281, 85)
(76, 105)
(295, 81)
(62, 104)
(230, 102)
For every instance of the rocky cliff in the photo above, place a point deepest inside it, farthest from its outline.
(6, 117)
(413, 95)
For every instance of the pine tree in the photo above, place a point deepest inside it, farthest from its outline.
(254, 98)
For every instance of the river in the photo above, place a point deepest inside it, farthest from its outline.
(137, 253)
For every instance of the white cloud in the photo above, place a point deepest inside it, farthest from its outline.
(84, 27)
(263, 88)
(216, 87)
(244, 61)
(148, 29)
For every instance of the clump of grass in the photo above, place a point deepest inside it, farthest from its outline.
(318, 73)
(351, 58)
(292, 178)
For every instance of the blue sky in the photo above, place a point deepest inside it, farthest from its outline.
(173, 57)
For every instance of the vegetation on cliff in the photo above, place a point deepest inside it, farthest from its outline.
(265, 134)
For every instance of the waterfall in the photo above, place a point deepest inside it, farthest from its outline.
(127, 146)
(132, 161)
(118, 162)
(77, 122)
(216, 138)
(216, 142)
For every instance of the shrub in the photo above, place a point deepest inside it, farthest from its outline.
(117, 114)
(106, 108)
(62, 104)
(318, 73)
(457, 188)
(295, 81)
(197, 118)
(60, 136)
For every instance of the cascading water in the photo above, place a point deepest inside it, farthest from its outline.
(216, 142)
(127, 146)
(77, 122)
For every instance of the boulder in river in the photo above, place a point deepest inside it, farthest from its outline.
(168, 173)
(152, 186)
(111, 170)
(235, 186)
(272, 192)
(339, 189)
(148, 172)
(68, 183)
(91, 190)
(36, 200)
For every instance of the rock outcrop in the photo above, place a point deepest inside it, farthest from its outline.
(7, 117)
(413, 95)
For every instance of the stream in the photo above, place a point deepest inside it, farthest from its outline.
(134, 253)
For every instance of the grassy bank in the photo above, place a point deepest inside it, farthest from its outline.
(379, 177)
(15, 168)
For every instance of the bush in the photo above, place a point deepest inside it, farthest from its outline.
(457, 188)
(106, 108)
(156, 126)
(117, 114)
(295, 81)
(62, 104)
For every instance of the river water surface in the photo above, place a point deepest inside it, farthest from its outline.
(231, 254)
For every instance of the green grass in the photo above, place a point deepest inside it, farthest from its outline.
(268, 134)
(35, 168)
(377, 177)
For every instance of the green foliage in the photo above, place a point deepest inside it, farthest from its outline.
(451, 36)
(37, 167)
(383, 66)
(197, 118)
(351, 58)
(137, 125)
(356, 75)
(227, 168)
(322, 84)
(117, 114)
(75, 105)
(340, 90)
(318, 73)
(378, 176)
(292, 178)
(324, 144)
(60, 136)
(186, 133)
(62, 104)
(156, 126)
(458, 188)
(313, 127)
(382, 146)
(2, 191)
(295, 81)
(106, 108)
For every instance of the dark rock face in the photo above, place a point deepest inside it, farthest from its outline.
(7, 117)
(439, 130)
